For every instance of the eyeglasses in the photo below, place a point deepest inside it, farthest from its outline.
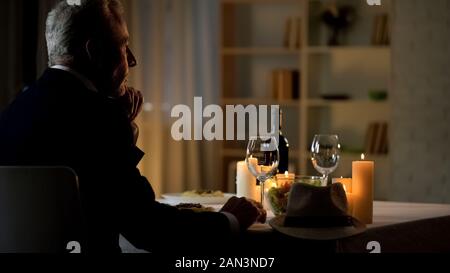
(130, 58)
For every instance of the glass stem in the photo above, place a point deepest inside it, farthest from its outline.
(325, 180)
(261, 182)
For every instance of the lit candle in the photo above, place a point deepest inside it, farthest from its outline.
(362, 188)
(286, 178)
(350, 204)
(245, 181)
(347, 183)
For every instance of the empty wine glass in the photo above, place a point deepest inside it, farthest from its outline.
(262, 159)
(325, 150)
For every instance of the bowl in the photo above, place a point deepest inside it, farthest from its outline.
(277, 196)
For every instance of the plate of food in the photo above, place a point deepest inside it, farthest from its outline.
(198, 197)
(194, 207)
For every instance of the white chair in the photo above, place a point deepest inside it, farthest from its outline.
(40, 210)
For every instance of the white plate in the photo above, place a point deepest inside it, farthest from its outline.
(176, 198)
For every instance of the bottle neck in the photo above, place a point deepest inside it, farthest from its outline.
(280, 121)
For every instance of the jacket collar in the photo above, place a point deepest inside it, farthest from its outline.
(86, 82)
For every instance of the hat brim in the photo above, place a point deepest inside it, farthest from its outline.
(319, 234)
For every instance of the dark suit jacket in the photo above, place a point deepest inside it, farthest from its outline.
(57, 121)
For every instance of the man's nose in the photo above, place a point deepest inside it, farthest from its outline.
(130, 58)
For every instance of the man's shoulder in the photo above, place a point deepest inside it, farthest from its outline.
(58, 95)
(52, 85)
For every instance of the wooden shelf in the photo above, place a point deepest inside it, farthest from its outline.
(260, 101)
(328, 103)
(328, 50)
(253, 35)
(259, 51)
(229, 152)
(354, 157)
(286, 51)
(371, 157)
(260, 1)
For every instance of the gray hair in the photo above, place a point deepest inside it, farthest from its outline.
(72, 23)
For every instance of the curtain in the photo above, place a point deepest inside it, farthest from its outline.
(23, 52)
(10, 30)
(176, 45)
(18, 49)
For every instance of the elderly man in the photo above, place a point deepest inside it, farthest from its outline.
(80, 114)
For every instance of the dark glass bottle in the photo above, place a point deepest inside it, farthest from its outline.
(283, 147)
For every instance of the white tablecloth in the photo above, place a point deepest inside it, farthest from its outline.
(389, 213)
(385, 213)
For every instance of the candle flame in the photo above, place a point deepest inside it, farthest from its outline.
(363, 156)
(286, 174)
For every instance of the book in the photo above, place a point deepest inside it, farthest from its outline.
(286, 92)
(377, 138)
(380, 138)
(376, 35)
(386, 30)
(370, 138)
(381, 30)
(278, 84)
(384, 149)
(298, 38)
(296, 84)
(285, 84)
(293, 33)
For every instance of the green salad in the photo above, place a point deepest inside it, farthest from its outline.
(278, 196)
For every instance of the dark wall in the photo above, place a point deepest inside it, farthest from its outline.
(19, 32)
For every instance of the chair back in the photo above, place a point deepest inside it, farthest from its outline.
(40, 210)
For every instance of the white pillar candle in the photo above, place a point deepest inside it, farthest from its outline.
(363, 175)
(245, 181)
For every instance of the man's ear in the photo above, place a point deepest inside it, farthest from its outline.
(94, 54)
(90, 50)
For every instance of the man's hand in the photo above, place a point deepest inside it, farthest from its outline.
(261, 211)
(245, 211)
(132, 101)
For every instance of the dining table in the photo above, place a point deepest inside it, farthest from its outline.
(398, 227)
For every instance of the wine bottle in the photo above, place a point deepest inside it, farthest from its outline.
(283, 147)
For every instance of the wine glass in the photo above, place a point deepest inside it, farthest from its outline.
(262, 159)
(325, 156)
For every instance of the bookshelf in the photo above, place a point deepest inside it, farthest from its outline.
(258, 51)
(255, 41)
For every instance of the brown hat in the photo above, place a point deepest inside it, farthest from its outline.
(317, 213)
